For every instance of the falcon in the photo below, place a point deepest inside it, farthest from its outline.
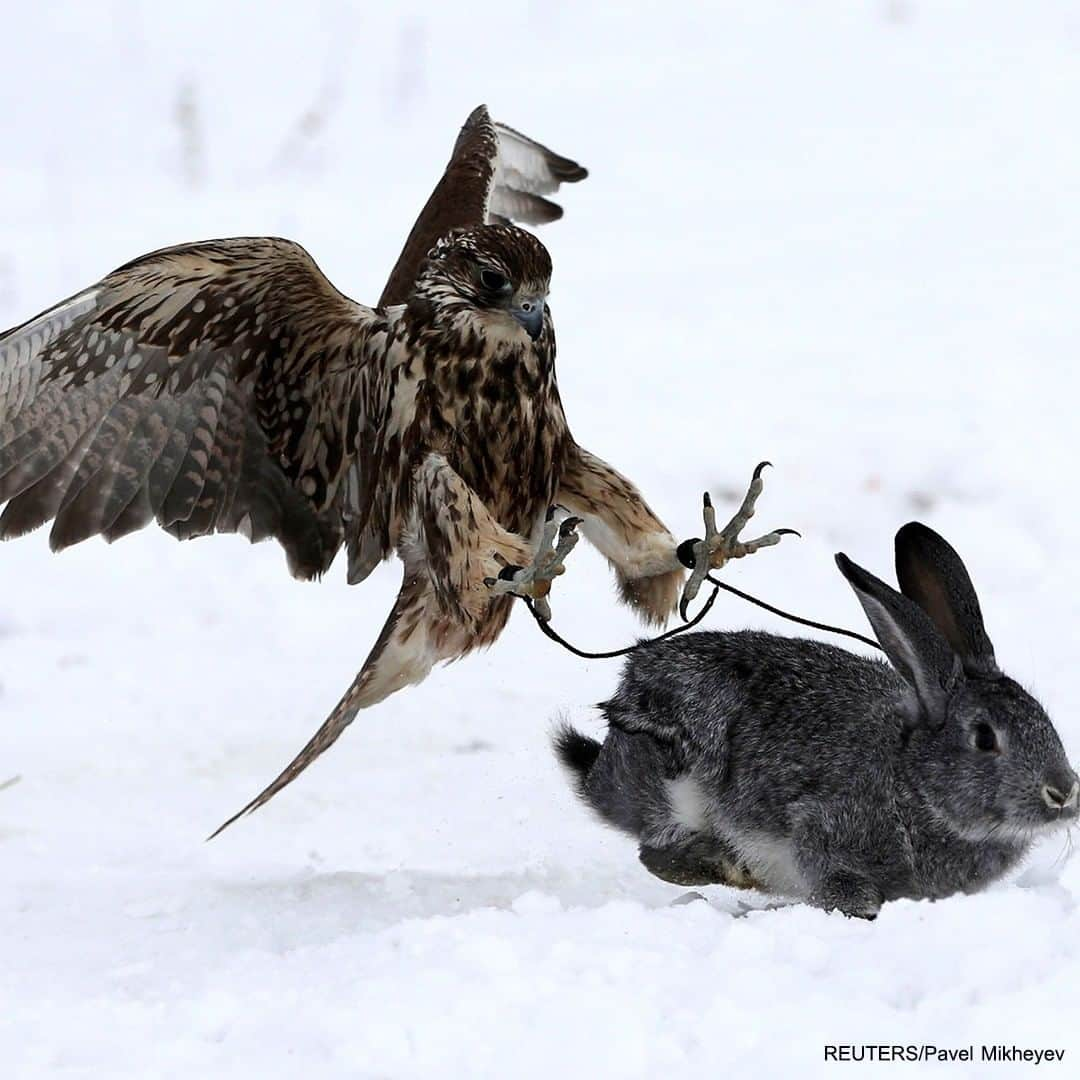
(227, 386)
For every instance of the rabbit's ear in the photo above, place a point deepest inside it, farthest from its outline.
(932, 574)
(910, 640)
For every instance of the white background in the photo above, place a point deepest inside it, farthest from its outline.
(842, 236)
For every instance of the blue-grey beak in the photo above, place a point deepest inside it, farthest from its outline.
(530, 313)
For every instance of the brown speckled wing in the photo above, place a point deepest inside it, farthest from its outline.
(214, 387)
(494, 174)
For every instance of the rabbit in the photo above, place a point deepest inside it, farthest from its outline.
(803, 770)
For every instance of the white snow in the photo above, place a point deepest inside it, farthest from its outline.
(842, 236)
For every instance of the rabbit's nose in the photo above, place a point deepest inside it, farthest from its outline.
(1056, 799)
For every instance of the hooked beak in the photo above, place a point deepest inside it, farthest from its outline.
(530, 314)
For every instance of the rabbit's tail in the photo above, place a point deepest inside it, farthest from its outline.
(576, 751)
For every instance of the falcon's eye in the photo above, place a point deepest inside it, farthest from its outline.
(985, 739)
(493, 281)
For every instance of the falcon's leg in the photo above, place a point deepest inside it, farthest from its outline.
(648, 560)
(535, 580)
(618, 521)
(721, 545)
(450, 545)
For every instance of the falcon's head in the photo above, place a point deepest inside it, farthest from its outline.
(497, 273)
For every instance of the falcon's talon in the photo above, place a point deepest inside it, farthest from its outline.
(720, 545)
(568, 526)
(534, 581)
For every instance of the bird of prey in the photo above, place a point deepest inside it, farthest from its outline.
(227, 386)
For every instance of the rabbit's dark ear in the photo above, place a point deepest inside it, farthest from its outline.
(933, 575)
(910, 640)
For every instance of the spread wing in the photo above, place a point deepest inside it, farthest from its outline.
(224, 386)
(494, 174)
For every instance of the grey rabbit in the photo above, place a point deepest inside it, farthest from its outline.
(804, 770)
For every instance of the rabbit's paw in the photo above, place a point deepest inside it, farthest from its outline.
(556, 543)
(692, 866)
(719, 545)
(850, 895)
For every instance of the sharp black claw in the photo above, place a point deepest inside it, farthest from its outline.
(707, 499)
(684, 605)
(762, 466)
(489, 581)
(569, 525)
(507, 572)
(788, 532)
(550, 513)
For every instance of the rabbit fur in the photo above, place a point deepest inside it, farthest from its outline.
(804, 770)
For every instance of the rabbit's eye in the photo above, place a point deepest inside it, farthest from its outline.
(985, 739)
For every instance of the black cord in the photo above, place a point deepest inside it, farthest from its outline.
(787, 614)
(554, 635)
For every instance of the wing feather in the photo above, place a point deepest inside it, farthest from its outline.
(494, 174)
(509, 205)
(39, 503)
(144, 451)
(83, 506)
(525, 166)
(208, 386)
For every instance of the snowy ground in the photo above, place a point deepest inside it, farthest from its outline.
(842, 236)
